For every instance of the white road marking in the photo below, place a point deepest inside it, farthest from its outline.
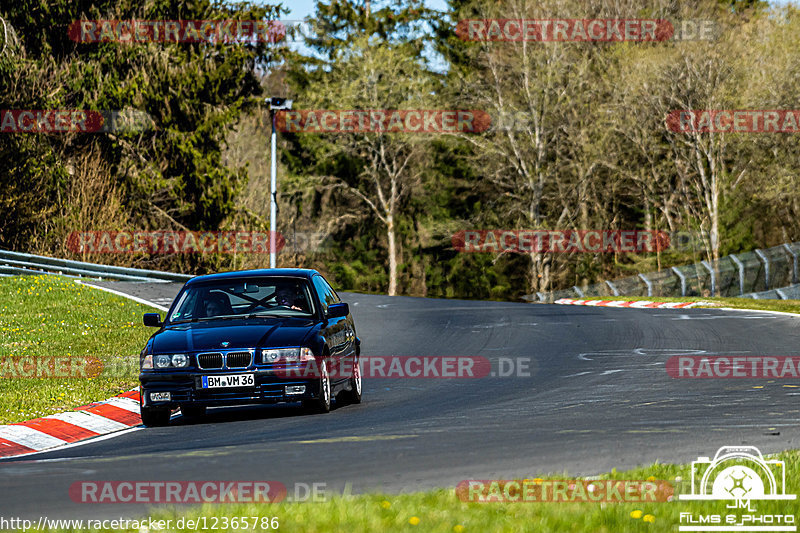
(29, 437)
(128, 296)
(90, 421)
(124, 403)
(74, 445)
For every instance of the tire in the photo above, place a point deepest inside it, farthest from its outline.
(155, 416)
(322, 404)
(193, 411)
(354, 394)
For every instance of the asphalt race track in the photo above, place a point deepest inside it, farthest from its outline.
(597, 397)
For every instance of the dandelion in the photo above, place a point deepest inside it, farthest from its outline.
(385, 504)
(637, 514)
(413, 520)
(649, 518)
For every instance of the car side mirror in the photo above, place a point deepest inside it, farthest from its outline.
(152, 319)
(337, 310)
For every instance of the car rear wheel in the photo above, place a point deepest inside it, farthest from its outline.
(193, 411)
(322, 404)
(155, 416)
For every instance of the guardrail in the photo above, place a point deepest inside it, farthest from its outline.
(762, 273)
(17, 263)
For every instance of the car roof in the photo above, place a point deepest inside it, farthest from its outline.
(306, 273)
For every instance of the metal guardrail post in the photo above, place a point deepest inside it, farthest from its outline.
(763, 257)
(648, 283)
(542, 296)
(780, 293)
(682, 278)
(614, 290)
(578, 290)
(713, 277)
(794, 261)
(741, 273)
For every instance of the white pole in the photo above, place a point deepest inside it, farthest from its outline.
(273, 197)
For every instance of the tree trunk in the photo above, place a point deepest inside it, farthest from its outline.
(392, 256)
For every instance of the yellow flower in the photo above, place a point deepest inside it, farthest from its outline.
(413, 520)
(649, 518)
(651, 478)
(385, 504)
(636, 514)
(458, 528)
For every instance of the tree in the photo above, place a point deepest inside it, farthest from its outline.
(169, 175)
(369, 62)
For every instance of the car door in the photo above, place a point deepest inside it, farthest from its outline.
(338, 332)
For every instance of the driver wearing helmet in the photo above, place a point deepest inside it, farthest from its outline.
(285, 296)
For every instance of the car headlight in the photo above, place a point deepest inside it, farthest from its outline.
(273, 354)
(162, 361)
(180, 360)
(147, 362)
(286, 354)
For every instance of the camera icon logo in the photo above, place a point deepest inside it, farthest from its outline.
(738, 473)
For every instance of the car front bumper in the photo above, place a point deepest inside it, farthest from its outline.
(186, 388)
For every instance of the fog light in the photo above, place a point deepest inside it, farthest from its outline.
(295, 389)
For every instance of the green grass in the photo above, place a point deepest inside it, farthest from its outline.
(47, 316)
(441, 511)
(786, 306)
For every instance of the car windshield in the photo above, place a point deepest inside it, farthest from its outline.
(237, 298)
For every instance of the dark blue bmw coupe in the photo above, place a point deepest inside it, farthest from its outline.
(255, 336)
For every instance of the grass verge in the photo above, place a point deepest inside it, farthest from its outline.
(43, 317)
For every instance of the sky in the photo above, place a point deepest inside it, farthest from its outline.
(302, 8)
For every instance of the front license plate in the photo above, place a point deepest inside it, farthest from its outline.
(229, 380)
(159, 396)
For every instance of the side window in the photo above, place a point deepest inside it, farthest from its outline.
(327, 295)
(330, 293)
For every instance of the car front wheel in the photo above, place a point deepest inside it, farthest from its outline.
(354, 394)
(322, 404)
(155, 416)
(193, 411)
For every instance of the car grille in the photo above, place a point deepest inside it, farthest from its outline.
(209, 360)
(238, 359)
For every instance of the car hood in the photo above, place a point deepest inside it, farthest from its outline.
(245, 333)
